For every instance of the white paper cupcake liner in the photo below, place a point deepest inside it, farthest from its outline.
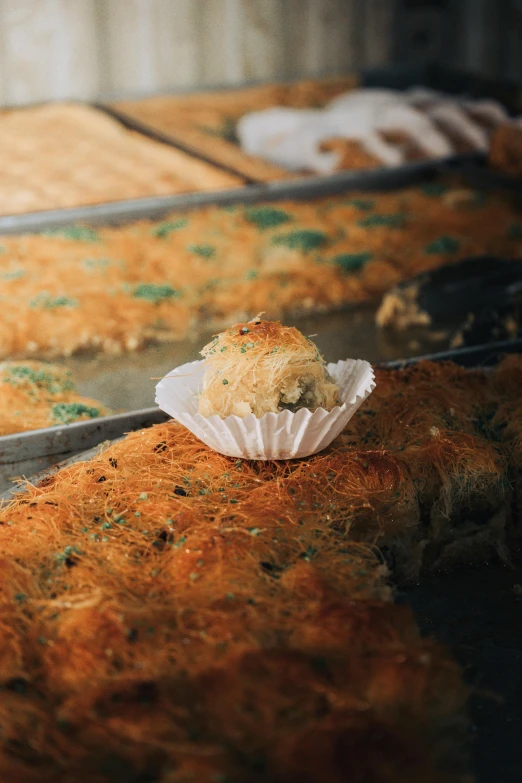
(284, 435)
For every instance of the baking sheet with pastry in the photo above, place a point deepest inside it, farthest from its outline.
(473, 611)
(206, 123)
(94, 159)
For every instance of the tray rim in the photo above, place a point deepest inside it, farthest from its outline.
(154, 207)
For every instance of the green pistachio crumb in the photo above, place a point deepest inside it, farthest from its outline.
(154, 293)
(47, 302)
(205, 251)
(304, 239)
(351, 262)
(163, 230)
(266, 217)
(443, 245)
(78, 233)
(385, 221)
(67, 412)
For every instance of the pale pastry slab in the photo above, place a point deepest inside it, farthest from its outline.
(66, 155)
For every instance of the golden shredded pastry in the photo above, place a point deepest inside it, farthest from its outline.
(171, 613)
(35, 394)
(119, 288)
(69, 155)
(263, 367)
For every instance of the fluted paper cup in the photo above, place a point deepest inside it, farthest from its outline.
(284, 435)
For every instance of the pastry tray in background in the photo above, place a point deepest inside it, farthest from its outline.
(395, 77)
(473, 611)
(95, 158)
(189, 133)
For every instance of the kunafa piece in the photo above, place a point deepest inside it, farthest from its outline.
(263, 367)
(263, 391)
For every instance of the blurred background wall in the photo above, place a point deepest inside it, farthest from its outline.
(54, 49)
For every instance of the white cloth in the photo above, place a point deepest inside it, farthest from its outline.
(292, 138)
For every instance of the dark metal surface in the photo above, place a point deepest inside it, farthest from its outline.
(444, 79)
(473, 356)
(477, 613)
(478, 174)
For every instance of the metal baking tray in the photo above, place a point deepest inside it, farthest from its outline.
(478, 174)
(25, 453)
(475, 611)
(474, 356)
(155, 207)
(395, 77)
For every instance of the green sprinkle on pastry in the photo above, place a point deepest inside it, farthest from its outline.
(23, 375)
(305, 239)
(78, 233)
(364, 205)
(67, 412)
(205, 251)
(388, 221)
(155, 293)
(163, 230)
(434, 189)
(351, 262)
(443, 245)
(47, 302)
(267, 217)
(97, 263)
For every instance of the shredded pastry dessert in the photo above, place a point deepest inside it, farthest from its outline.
(34, 395)
(171, 613)
(116, 289)
(263, 367)
(69, 155)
